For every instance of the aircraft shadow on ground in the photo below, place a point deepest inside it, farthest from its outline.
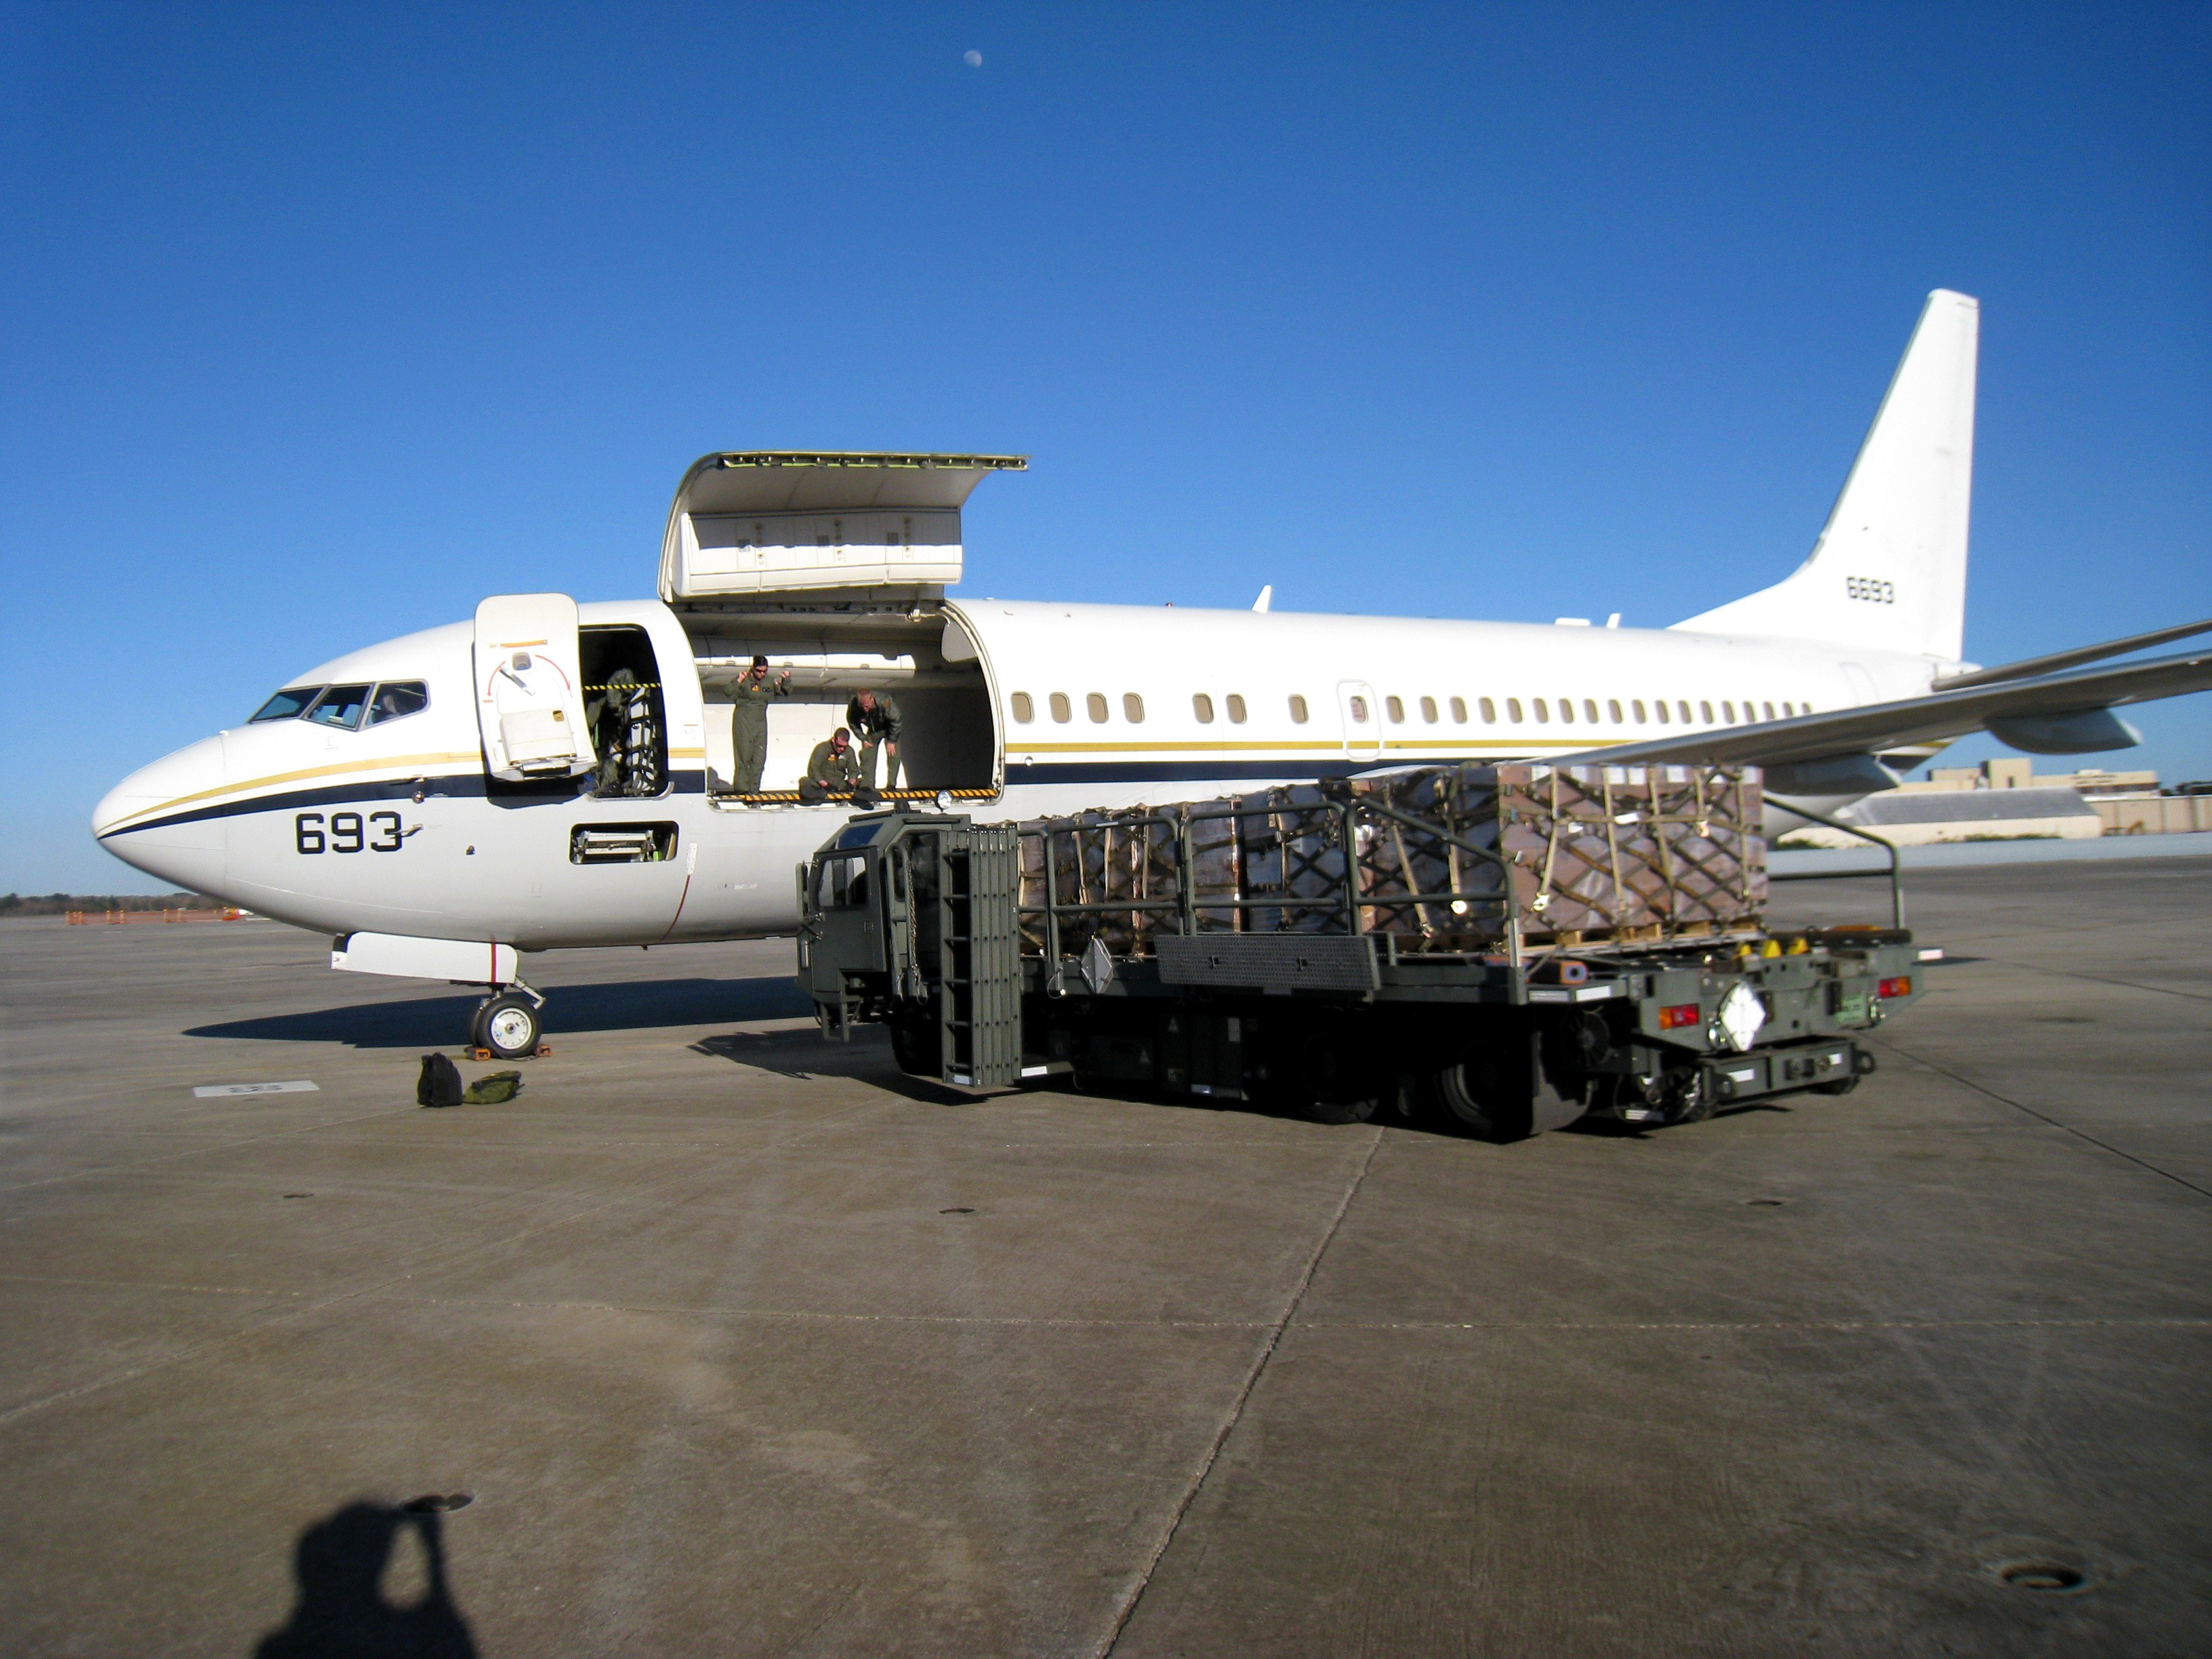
(436, 1022)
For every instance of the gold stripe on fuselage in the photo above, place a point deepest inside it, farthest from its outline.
(398, 764)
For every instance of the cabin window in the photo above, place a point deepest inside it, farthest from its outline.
(1429, 710)
(340, 705)
(1358, 707)
(1236, 709)
(1298, 708)
(286, 705)
(1095, 705)
(1202, 706)
(1566, 711)
(1396, 705)
(396, 700)
(1636, 707)
(1059, 708)
(1659, 707)
(1683, 709)
(1459, 711)
(1133, 709)
(1543, 711)
(1613, 710)
(1769, 711)
(1590, 710)
(1024, 710)
(1706, 713)
(1728, 712)
(1513, 710)
(1489, 711)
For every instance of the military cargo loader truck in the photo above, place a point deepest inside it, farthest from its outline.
(1516, 946)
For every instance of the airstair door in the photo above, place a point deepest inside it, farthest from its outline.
(530, 691)
(1363, 720)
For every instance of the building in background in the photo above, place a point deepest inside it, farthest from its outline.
(2007, 799)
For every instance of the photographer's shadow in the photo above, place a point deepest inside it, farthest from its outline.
(341, 1611)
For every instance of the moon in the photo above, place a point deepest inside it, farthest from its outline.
(972, 58)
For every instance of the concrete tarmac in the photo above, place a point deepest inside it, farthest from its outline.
(737, 1343)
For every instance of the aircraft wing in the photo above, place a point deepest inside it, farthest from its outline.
(2070, 710)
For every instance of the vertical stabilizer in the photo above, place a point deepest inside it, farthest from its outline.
(1889, 572)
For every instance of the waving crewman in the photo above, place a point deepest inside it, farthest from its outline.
(748, 701)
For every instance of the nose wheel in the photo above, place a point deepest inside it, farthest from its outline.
(507, 1024)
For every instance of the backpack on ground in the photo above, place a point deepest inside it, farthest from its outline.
(440, 1084)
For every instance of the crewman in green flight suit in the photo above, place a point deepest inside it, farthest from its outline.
(875, 720)
(748, 699)
(831, 766)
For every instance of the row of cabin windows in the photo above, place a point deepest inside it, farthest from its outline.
(1202, 705)
(1544, 708)
(1094, 704)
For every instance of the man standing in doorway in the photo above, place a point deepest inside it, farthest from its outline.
(748, 701)
(875, 720)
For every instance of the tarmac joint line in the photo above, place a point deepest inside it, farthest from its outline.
(1275, 1337)
(2044, 1117)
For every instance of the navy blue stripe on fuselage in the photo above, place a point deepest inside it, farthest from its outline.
(460, 786)
(1147, 771)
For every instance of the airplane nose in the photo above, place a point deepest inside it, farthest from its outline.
(166, 819)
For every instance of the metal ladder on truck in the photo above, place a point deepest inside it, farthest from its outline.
(939, 913)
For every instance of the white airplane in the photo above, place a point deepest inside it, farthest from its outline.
(553, 775)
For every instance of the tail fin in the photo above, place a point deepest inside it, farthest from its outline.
(1889, 571)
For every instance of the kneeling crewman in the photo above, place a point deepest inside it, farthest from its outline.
(831, 766)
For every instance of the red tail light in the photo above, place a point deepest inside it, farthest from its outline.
(1682, 1014)
(1895, 987)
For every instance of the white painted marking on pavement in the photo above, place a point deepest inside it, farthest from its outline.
(208, 1089)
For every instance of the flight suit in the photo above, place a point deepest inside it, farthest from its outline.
(872, 729)
(831, 767)
(749, 701)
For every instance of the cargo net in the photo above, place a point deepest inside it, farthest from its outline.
(1443, 859)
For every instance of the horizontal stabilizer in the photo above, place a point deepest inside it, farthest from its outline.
(2028, 667)
(2024, 706)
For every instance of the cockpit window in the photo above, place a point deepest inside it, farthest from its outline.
(339, 706)
(397, 699)
(287, 703)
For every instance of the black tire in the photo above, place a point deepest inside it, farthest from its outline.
(1473, 1102)
(1842, 1085)
(509, 1026)
(912, 1049)
(1339, 1111)
(476, 1023)
(1327, 1077)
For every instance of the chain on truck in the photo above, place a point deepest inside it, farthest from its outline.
(1520, 944)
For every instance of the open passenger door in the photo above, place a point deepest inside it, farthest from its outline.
(530, 691)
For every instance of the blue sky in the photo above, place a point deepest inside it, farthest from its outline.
(321, 323)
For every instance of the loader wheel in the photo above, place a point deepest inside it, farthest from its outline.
(1474, 1101)
(1842, 1085)
(1339, 1111)
(912, 1049)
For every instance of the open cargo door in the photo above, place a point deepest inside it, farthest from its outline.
(530, 691)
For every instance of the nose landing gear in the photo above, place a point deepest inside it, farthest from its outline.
(507, 1022)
